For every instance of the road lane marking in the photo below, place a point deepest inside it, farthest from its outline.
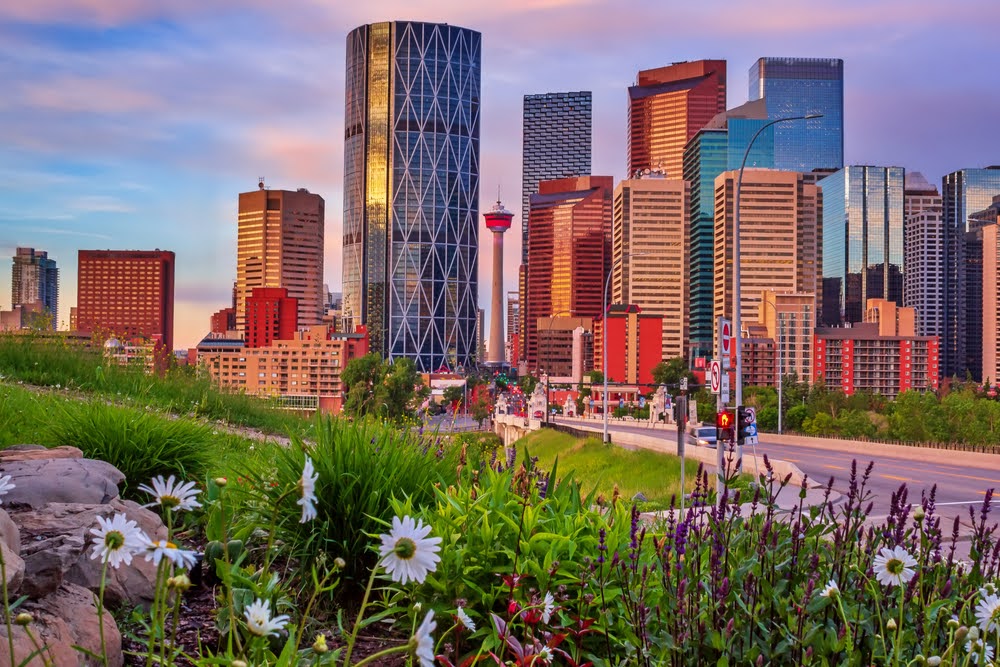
(898, 479)
(833, 467)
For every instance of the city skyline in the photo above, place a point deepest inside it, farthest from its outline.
(133, 127)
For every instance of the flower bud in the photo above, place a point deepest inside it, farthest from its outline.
(973, 633)
(319, 646)
(920, 659)
(961, 633)
(919, 514)
(891, 625)
(180, 583)
(417, 607)
(339, 563)
(237, 663)
(221, 482)
(24, 618)
(952, 623)
(934, 661)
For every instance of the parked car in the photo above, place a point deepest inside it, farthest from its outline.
(702, 435)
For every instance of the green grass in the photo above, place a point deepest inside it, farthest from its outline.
(594, 465)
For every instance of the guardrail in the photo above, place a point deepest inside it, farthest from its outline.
(954, 446)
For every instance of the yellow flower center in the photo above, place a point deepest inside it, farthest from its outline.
(894, 566)
(114, 540)
(169, 501)
(405, 548)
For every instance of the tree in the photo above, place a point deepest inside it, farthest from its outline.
(376, 387)
(453, 394)
(670, 372)
(360, 377)
(528, 384)
(481, 407)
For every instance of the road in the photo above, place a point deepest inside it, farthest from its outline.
(961, 478)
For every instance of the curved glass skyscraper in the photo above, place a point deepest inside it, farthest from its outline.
(411, 190)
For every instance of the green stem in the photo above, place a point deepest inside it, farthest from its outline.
(270, 530)
(897, 649)
(39, 650)
(847, 628)
(361, 615)
(100, 609)
(382, 654)
(176, 620)
(227, 579)
(312, 599)
(154, 613)
(6, 607)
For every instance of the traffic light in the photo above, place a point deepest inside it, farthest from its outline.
(724, 424)
(746, 419)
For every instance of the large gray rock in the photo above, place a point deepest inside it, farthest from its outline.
(35, 452)
(57, 546)
(9, 532)
(13, 568)
(62, 620)
(43, 481)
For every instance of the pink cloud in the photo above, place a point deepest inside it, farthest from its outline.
(75, 94)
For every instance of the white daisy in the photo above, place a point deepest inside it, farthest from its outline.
(118, 538)
(171, 494)
(464, 619)
(988, 613)
(545, 655)
(894, 567)
(5, 485)
(424, 640)
(550, 606)
(406, 551)
(259, 621)
(832, 590)
(157, 549)
(308, 487)
(976, 648)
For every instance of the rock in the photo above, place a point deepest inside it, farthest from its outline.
(37, 452)
(63, 619)
(43, 481)
(10, 534)
(58, 538)
(639, 497)
(13, 567)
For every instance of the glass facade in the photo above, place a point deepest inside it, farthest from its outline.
(411, 190)
(964, 193)
(862, 241)
(798, 87)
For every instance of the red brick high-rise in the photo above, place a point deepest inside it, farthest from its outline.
(569, 252)
(127, 293)
(667, 106)
(271, 315)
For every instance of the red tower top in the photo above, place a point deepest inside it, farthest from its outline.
(498, 219)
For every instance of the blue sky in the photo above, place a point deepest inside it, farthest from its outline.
(133, 124)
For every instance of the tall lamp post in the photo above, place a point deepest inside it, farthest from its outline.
(737, 301)
(604, 336)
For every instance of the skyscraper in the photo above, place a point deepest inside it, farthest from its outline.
(35, 280)
(280, 244)
(923, 253)
(990, 329)
(650, 254)
(963, 193)
(411, 190)
(797, 87)
(126, 293)
(569, 251)
(667, 106)
(862, 241)
(780, 238)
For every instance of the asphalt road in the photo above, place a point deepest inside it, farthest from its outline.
(962, 481)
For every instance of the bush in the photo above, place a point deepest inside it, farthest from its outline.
(480, 446)
(140, 444)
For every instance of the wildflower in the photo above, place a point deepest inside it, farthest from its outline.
(5, 485)
(24, 618)
(407, 552)
(180, 583)
(550, 606)
(919, 514)
(976, 648)
(934, 661)
(831, 590)
(339, 563)
(117, 540)
(221, 482)
(172, 495)
(988, 613)
(319, 646)
(894, 567)
(891, 625)
(423, 642)
(464, 619)
(308, 487)
(259, 621)
(545, 655)
(157, 549)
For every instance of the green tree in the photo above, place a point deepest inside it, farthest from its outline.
(481, 407)
(670, 372)
(453, 394)
(794, 418)
(528, 384)
(360, 377)
(376, 387)
(398, 389)
(582, 394)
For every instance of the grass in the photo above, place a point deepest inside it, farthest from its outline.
(594, 465)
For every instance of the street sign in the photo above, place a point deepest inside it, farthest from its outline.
(747, 426)
(724, 390)
(715, 376)
(642, 401)
(684, 383)
(725, 332)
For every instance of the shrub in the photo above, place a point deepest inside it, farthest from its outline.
(140, 444)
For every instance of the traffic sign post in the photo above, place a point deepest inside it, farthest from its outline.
(715, 376)
(725, 333)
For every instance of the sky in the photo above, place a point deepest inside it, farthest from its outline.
(134, 124)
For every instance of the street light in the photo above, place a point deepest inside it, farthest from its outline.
(737, 328)
(604, 335)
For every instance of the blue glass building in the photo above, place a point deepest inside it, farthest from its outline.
(717, 148)
(798, 87)
(411, 190)
(862, 241)
(964, 193)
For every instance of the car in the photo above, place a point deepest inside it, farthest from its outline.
(703, 435)
(538, 414)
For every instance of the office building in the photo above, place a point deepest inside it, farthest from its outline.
(411, 190)
(963, 193)
(126, 293)
(650, 242)
(271, 315)
(280, 245)
(800, 87)
(862, 241)
(35, 280)
(634, 345)
(882, 355)
(923, 253)
(558, 339)
(223, 321)
(990, 329)
(667, 107)
(780, 239)
(789, 321)
(569, 252)
(718, 147)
